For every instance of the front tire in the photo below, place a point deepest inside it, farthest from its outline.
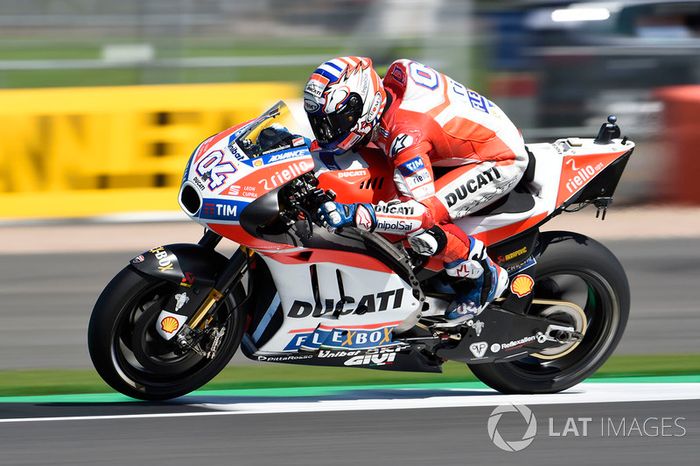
(133, 359)
(570, 266)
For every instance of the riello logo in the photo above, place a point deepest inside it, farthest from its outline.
(281, 176)
(580, 176)
(583, 175)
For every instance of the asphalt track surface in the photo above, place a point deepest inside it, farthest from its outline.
(46, 300)
(647, 423)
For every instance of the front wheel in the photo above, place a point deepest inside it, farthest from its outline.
(579, 270)
(132, 357)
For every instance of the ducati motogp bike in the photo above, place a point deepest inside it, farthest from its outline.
(293, 292)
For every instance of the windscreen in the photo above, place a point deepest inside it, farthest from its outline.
(274, 131)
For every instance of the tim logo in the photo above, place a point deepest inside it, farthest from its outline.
(214, 169)
(412, 166)
(222, 209)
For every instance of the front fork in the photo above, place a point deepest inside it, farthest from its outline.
(228, 277)
(200, 311)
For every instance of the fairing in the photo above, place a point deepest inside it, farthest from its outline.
(230, 170)
(334, 293)
(557, 183)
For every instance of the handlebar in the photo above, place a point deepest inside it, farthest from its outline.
(304, 196)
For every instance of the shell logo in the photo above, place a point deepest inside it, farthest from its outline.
(522, 285)
(169, 324)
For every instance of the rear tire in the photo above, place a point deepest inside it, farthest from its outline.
(606, 301)
(133, 359)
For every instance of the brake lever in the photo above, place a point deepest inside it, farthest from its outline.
(307, 235)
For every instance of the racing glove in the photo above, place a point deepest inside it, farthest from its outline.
(337, 215)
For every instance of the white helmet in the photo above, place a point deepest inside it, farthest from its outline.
(344, 100)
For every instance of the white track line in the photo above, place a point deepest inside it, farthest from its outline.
(581, 394)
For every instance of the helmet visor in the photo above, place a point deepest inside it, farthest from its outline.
(332, 127)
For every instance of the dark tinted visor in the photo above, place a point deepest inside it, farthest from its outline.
(333, 126)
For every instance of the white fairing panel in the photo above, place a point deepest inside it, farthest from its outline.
(385, 298)
(547, 180)
(545, 185)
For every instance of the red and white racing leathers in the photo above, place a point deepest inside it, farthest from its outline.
(434, 121)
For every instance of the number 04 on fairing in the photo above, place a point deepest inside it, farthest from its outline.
(295, 293)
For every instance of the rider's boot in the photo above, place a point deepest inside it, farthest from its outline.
(482, 281)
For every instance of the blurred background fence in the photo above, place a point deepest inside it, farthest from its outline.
(100, 142)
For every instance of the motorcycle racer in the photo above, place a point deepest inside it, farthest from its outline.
(453, 150)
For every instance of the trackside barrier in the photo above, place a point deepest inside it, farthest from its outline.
(70, 152)
(682, 134)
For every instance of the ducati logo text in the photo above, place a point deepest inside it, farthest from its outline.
(352, 173)
(472, 185)
(394, 209)
(368, 303)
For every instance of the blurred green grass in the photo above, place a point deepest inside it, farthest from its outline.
(49, 382)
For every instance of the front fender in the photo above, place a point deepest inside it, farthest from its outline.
(181, 263)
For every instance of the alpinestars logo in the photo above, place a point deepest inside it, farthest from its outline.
(401, 142)
(472, 185)
(363, 218)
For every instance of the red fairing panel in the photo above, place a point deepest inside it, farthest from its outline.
(578, 170)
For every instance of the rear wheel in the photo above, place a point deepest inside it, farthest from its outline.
(134, 359)
(574, 269)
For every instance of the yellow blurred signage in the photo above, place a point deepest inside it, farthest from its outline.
(100, 138)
